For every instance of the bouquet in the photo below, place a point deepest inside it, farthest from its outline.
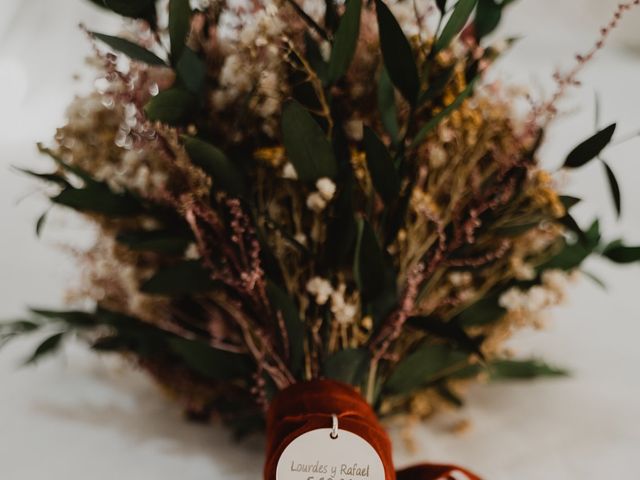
(319, 209)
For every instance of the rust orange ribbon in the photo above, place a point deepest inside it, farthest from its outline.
(310, 405)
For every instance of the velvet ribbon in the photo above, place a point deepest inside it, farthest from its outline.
(308, 406)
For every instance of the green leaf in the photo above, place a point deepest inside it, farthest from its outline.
(442, 6)
(590, 148)
(191, 70)
(614, 187)
(40, 223)
(444, 113)
(49, 346)
(569, 202)
(387, 106)
(47, 177)
(78, 172)
(455, 24)
(483, 312)
(225, 174)
(144, 9)
(98, 199)
(397, 54)
(161, 241)
(130, 49)
(179, 25)
(306, 145)
(619, 253)
(347, 366)
(314, 57)
(209, 362)
(448, 331)
(283, 303)
(384, 176)
(173, 106)
(424, 366)
(573, 254)
(437, 85)
(72, 318)
(523, 369)
(488, 16)
(345, 41)
(187, 277)
(369, 265)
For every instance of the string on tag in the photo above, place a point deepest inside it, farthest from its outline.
(334, 426)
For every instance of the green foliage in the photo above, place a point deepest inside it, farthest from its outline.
(142, 9)
(484, 311)
(590, 148)
(306, 144)
(387, 106)
(159, 241)
(488, 16)
(619, 253)
(614, 187)
(98, 198)
(345, 41)
(173, 106)
(522, 369)
(226, 175)
(179, 25)
(132, 50)
(50, 345)
(444, 113)
(427, 364)
(348, 366)
(455, 24)
(450, 331)
(284, 304)
(384, 175)
(186, 277)
(397, 54)
(191, 71)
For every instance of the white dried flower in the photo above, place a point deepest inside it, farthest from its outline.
(301, 238)
(326, 188)
(460, 279)
(316, 202)
(344, 310)
(437, 156)
(289, 171)
(320, 288)
(192, 252)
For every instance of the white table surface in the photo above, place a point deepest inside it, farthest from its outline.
(79, 416)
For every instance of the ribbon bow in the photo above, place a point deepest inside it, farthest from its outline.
(311, 405)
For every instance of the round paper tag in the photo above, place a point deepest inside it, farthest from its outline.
(316, 456)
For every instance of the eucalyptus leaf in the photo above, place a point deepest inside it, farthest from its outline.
(226, 175)
(345, 41)
(207, 361)
(483, 312)
(425, 365)
(283, 303)
(306, 144)
(179, 25)
(369, 266)
(458, 19)
(173, 106)
(569, 202)
(347, 366)
(130, 49)
(98, 199)
(47, 347)
(614, 187)
(384, 175)
(144, 9)
(397, 54)
(488, 16)
(449, 331)
(55, 178)
(620, 253)
(590, 148)
(186, 277)
(161, 241)
(522, 369)
(387, 106)
(192, 71)
(444, 113)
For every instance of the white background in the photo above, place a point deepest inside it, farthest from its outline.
(79, 416)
